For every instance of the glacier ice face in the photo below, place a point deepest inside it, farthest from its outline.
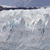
(25, 29)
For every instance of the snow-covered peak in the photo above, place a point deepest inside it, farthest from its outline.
(5, 6)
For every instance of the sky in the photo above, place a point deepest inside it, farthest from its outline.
(25, 3)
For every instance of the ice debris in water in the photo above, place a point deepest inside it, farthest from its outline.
(25, 29)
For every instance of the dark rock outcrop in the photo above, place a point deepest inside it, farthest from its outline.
(5, 8)
(1, 8)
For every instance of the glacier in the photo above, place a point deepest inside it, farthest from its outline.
(25, 29)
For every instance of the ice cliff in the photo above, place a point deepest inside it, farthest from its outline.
(25, 29)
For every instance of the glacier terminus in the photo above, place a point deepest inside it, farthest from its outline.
(25, 29)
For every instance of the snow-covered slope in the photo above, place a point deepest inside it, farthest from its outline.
(5, 6)
(25, 29)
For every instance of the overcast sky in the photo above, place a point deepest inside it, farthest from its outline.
(25, 3)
